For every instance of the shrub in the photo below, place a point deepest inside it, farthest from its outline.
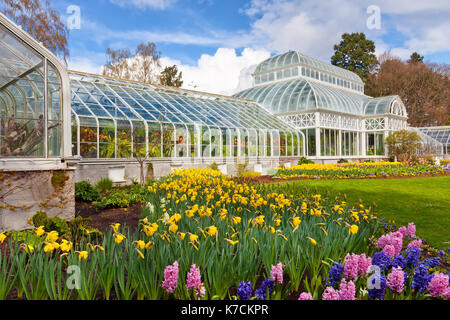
(214, 166)
(104, 185)
(79, 228)
(84, 191)
(342, 161)
(241, 168)
(404, 145)
(50, 224)
(304, 160)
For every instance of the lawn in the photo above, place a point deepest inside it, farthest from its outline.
(425, 201)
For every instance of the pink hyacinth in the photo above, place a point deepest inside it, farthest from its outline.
(330, 294)
(403, 231)
(394, 239)
(411, 229)
(364, 264)
(351, 266)
(396, 280)
(383, 241)
(347, 290)
(438, 285)
(170, 277)
(415, 244)
(446, 293)
(194, 281)
(305, 296)
(390, 250)
(276, 274)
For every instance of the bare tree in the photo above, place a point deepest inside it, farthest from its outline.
(425, 91)
(41, 21)
(142, 66)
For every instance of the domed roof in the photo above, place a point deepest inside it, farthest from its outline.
(301, 94)
(296, 58)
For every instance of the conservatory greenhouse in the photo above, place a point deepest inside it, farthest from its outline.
(59, 126)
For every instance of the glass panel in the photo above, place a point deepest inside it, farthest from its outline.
(275, 143)
(154, 140)
(123, 139)
(54, 138)
(168, 140)
(88, 137)
(107, 138)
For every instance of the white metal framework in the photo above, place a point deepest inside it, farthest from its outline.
(113, 118)
(34, 101)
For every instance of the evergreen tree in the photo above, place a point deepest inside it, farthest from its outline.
(355, 53)
(171, 77)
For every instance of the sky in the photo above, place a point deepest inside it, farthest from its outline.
(218, 43)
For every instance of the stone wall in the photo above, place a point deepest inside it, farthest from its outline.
(23, 193)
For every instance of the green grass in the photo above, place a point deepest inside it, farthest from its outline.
(424, 201)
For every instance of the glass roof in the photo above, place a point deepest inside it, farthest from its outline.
(441, 134)
(102, 98)
(293, 57)
(300, 94)
(382, 105)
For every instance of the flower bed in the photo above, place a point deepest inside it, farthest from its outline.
(357, 170)
(204, 236)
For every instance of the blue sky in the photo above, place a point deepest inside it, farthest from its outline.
(216, 43)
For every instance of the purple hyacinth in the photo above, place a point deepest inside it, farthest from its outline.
(421, 278)
(432, 262)
(399, 261)
(377, 288)
(261, 292)
(412, 257)
(334, 276)
(245, 290)
(382, 260)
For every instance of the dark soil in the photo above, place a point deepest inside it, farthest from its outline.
(102, 219)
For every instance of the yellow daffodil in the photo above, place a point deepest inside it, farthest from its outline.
(39, 231)
(313, 242)
(115, 227)
(140, 254)
(181, 235)
(296, 221)
(353, 229)
(148, 245)
(118, 238)
(48, 248)
(193, 237)
(52, 236)
(173, 228)
(140, 244)
(82, 255)
(212, 230)
(65, 245)
(2, 237)
(232, 242)
(237, 220)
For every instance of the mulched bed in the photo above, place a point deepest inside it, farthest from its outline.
(102, 219)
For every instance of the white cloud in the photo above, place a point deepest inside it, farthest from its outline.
(225, 72)
(144, 4)
(313, 27)
(84, 64)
